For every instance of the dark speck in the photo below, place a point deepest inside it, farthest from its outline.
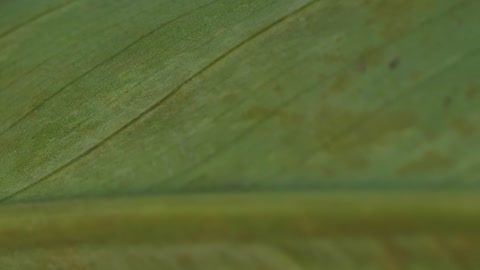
(394, 63)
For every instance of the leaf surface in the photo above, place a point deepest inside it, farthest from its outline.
(101, 100)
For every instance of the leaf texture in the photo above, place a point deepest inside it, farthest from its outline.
(102, 100)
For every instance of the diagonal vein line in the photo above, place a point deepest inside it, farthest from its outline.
(178, 88)
(107, 60)
(296, 97)
(167, 97)
(26, 74)
(243, 135)
(36, 18)
(209, 157)
(347, 130)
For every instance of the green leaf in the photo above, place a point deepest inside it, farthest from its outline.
(109, 110)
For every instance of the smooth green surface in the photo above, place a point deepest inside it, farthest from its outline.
(116, 98)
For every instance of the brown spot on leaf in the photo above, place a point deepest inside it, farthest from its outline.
(184, 260)
(369, 57)
(430, 161)
(415, 76)
(344, 130)
(278, 89)
(261, 262)
(327, 171)
(390, 255)
(472, 91)
(392, 15)
(346, 136)
(458, 20)
(463, 127)
(463, 250)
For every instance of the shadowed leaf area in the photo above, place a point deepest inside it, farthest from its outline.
(217, 134)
